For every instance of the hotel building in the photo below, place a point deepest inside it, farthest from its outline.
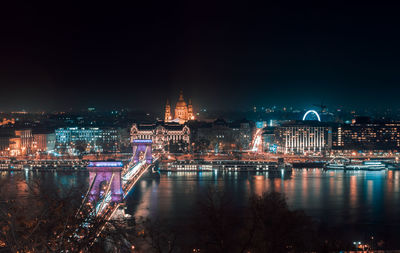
(367, 136)
(303, 137)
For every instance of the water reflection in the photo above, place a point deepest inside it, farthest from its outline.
(356, 201)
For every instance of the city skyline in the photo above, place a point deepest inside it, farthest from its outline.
(56, 58)
(199, 126)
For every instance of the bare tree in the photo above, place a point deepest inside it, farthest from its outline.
(218, 226)
(43, 221)
(155, 236)
(267, 225)
(277, 228)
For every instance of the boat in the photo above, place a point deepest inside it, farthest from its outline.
(365, 165)
(335, 166)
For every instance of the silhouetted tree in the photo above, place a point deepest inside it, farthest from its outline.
(219, 227)
(49, 221)
(277, 228)
(267, 225)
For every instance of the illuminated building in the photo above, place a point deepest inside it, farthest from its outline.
(302, 137)
(162, 135)
(26, 138)
(21, 143)
(7, 121)
(94, 138)
(269, 139)
(15, 146)
(182, 112)
(168, 116)
(364, 135)
(190, 111)
(44, 142)
(73, 134)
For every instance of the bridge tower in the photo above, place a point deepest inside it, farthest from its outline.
(105, 176)
(142, 147)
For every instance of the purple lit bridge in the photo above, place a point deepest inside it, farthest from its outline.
(111, 181)
(142, 149)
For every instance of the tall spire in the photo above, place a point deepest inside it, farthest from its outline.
(181, 96)
(190, 111)
(168, 116)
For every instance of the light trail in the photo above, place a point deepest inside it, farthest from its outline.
(129, 181)
(255, 146)
(128, 175)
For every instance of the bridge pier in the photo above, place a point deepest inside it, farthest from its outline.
(108, 175)
(142, 147)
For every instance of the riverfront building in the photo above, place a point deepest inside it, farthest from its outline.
(73, 134)
(91, 139)
(164, 136)
(303, 137)
(364, 135)
(44, 142)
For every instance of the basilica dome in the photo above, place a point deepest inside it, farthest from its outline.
(181, 102)
(182, 113)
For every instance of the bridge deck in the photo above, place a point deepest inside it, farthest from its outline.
(129, 180)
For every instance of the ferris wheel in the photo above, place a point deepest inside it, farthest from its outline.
(311, 114)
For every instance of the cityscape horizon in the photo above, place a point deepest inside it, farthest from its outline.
(199, 126)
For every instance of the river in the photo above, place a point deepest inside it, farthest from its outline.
(352, 205)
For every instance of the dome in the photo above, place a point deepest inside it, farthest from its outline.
(181, 102)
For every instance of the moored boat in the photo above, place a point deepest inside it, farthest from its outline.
(365, 165)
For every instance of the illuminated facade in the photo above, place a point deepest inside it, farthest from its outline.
(44, 142)
(161, 135)
(7, 121)
(168, 115)
(73, 134)
(368, 136)
(301, 138)
(93, 138)
(22, 143)
(183, 112)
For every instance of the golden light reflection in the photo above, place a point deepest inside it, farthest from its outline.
(317, 184)
(389, 184)
(304, 186)
(259, 184)
(353, 191)
(143, 209)
(331, 183)
(277, 184)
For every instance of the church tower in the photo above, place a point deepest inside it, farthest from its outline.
(190, 111)
(181, 110)
(168, 116)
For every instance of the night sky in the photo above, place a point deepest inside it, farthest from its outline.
(224, 55)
